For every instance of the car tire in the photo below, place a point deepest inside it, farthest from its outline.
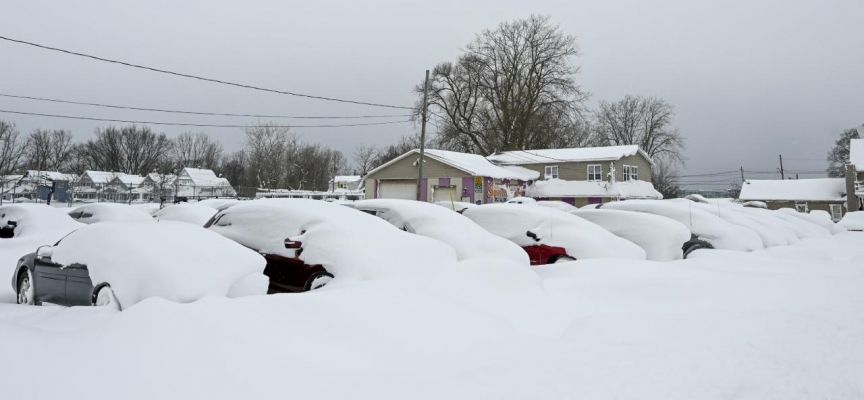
(696, 245)
(563, 259)
(104, 296)
(317, 280)
(26, 294)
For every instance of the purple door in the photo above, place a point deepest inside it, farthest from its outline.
(595, 200)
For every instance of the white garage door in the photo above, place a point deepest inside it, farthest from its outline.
(442, 193)
(397, 190)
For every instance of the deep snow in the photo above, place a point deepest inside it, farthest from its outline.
(782, 322)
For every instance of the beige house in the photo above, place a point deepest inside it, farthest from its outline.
(583, 176)
(447, 176)
(803, 195)
(855, 173)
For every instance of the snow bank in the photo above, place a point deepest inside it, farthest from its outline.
(562, 188)
(818, 217)
(172, 260)
(660, 237)
(709, 227)
(853, 221)
(349, 244)
(822, 189)
(104, 212)
(195, 214)
(457, 231)
(580, 238)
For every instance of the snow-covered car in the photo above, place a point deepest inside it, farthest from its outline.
(556, 204)
(149, 208)
(218, 204)
(663, 239)
(104, 212)
(457, 206)
(425, 219)
(21, 220)
(550, 236)
(122, 263)
(853, 221)
(521, 200)
(193, 213)
(707, 228)
(309, 242)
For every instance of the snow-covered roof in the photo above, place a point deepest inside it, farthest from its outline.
(856, 154)
(204, 177)
(561, 188)
(52, 175)
(157, 178)
(347, 178)
(102, 176)
(134, 180)
(546, 156)
(473, 164)
(823, 189)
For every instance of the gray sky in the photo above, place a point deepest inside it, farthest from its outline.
(749, 79)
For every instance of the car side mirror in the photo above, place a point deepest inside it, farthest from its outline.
(533, 235)
(12, 223)
(293, 244)
(45, 251)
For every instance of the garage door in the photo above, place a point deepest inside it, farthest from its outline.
(398, 190)
(442, 193)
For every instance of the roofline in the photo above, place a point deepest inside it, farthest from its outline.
(412, 151)
(639, 151)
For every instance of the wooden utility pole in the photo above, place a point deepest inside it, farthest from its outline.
(782, 174)
(742, 175)
(422, 136)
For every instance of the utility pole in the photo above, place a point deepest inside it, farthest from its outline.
(422, 136)
(782, 175)
(742, 174)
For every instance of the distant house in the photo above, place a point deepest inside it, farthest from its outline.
(91, 185)
(447, 175)
(159, 186)
(9, 187)
(202, 183)
(126, 189)
(39, 185)
(345, 182)
(804, 195)
(855, 172)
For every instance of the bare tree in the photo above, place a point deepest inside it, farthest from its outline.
(131, 149)
(49, 150)
(664, 177)
(512, 89)
(404, 145)
(643, 121)
(363, 157)
(838, 156)
(12, 148)
(268, 150)
(197, 150)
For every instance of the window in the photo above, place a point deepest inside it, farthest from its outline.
(551, 172)
(625, 172)
(836, 212)
(595, 172)
(801, 207)
(634, 173)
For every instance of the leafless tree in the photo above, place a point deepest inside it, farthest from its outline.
(513, 88)
(838, 156)
(12, 148)
(644, 121)
(404, 145)
(197, 150)
(49, 150)
(131, 149)
(363, 157)
(664, 177)
(268, 150)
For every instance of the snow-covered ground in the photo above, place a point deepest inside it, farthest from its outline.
(785, 322)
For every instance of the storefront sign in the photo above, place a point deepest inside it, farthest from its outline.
(497, 194)
(478, 184)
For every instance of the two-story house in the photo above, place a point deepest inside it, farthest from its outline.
(855, 173)
(588, 175)
(91, 185)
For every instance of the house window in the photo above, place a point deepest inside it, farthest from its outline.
(595, 172)
(634, 172)
(801, 207)
(551, 172)
(836, 212)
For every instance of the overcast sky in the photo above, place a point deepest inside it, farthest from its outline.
(749, 79)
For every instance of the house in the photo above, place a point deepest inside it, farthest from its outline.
(9, 187)
(447, 176)
(581, 176)
(804, 195)
(160, 186)
(345, 182)
(342, 188)
(126, 189)
(91, 185)
(38, 185)
(202, 183)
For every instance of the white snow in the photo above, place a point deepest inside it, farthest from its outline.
(172, 260)
(660, 237)
(219, 204)
(769, 233)
(856, 153)
(103, 212)
(455, 205)
(473, 164)
(580, 239)
(193, 213)
(149, 208)
(853, 221)
(818, 217)
(551, 156)
(521, 200)
(823, 189)
(102, 177)
(709, 227)
(561, 188)
(558, 205)
(457, 231)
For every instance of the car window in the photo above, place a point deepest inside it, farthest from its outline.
(86, 215)
(75, 214)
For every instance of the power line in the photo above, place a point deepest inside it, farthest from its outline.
(198, 125)
(195, 112)
(308, 96)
